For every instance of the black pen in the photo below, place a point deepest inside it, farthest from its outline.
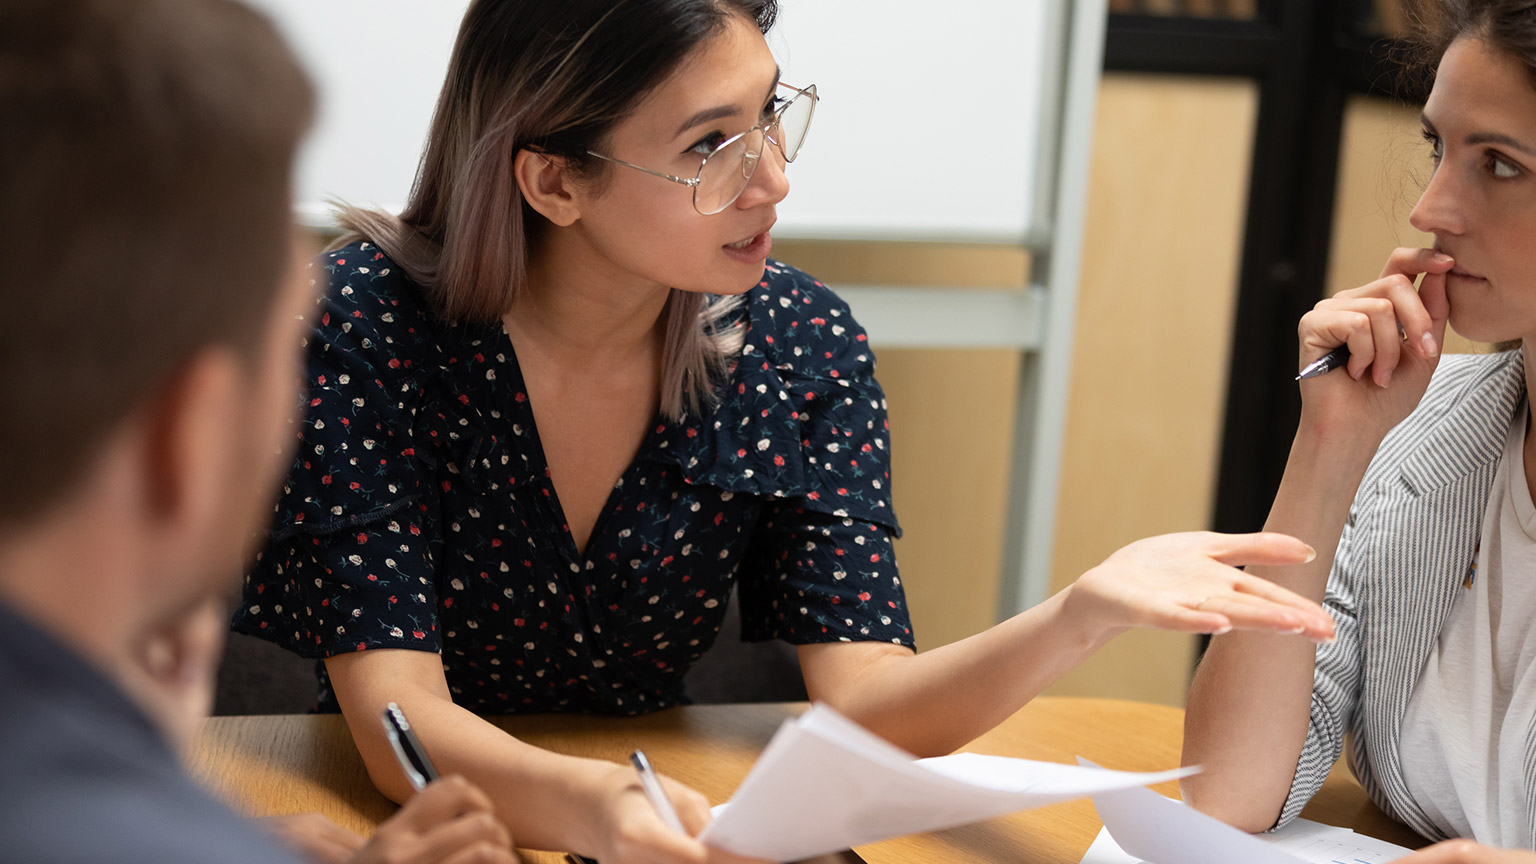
(413, 757)
(1334, 359)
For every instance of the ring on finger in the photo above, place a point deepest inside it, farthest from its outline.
(1201, 602)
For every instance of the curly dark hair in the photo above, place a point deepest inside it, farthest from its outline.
(1507, 25)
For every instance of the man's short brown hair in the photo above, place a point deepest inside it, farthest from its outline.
(146, 148)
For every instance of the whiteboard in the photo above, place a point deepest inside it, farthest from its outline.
(929, 126)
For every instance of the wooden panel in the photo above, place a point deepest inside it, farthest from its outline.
(1383, 165)
(951, 433)
(941, 264)
(1160, 265)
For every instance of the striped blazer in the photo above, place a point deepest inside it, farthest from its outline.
(1410, 536)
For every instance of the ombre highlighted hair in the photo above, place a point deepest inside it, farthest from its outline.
(558, 75)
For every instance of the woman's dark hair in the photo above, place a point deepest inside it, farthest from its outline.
(558, 75)
(1508, 26)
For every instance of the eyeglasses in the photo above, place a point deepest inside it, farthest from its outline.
(726, 171)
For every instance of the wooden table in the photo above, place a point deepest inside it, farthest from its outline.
(294, 764)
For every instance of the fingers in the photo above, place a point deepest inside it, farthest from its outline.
(1172, 615)
(640, 835)
(720, 856)
(1188, 582)
(1378, 320)
(1432, 295)
(449, 822)
(467, 832)
(692, 808)
(441, 801)
(482, 853)
(1467, 852)
(1317, 623)
(636, 832)
(1260, 548)
(314, 837)
(1385, 337)
(1411, 261)
(1249, 612)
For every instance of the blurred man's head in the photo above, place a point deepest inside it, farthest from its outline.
(148, 298)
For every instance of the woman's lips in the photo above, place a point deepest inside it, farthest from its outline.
(754, 248)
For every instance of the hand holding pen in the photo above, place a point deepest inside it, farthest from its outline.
(1385, 331)
(448, 821)
(1370, 326)
(643, 840)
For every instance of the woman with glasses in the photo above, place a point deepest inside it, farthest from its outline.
(564, 402)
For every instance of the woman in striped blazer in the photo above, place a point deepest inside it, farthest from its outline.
(1412, 475)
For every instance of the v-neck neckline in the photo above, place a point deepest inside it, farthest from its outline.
(579, 557)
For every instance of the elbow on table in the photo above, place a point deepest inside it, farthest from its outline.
(388, 779)
(1230, 803)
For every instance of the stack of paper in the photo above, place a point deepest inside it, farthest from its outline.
(1142, 826)
(825, 784)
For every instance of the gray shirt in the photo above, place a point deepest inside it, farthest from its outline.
(1412, 531)
(1470, 718)
(87, 778)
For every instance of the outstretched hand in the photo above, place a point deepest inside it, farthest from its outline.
(1190, 582)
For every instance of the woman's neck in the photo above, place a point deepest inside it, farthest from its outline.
(585, 311)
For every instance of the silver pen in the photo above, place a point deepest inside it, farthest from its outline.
(657, 795)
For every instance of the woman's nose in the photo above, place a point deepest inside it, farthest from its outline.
(1439, 210)
(769, 183)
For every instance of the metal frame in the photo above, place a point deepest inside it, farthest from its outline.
(1038, 320)
(1040, 425)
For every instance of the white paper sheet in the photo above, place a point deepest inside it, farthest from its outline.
(1142, 826)
(824, 784)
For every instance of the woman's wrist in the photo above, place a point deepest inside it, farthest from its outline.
(1080, 620)
(592, 789)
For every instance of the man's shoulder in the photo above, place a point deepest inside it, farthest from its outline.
(90, 778)
(88, 796)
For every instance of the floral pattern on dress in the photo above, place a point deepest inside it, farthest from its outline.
(419, 512)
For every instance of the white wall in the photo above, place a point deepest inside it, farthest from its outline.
(927, 129)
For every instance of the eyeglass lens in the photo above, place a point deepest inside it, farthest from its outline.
(727, 171)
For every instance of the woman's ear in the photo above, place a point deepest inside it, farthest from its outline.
(547, 186)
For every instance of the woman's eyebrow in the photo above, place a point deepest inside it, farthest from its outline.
(1476, 138)
(1500, 138)
(719, 112)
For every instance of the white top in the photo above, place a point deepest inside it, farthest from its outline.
(1473, 709)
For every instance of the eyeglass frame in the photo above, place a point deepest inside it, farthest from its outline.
(697, 179)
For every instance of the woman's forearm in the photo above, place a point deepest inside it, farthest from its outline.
(1249, 704)
(547, 800)
(936, 701)
(932, 703)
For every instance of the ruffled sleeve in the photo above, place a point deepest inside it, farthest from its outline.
(802, 423)
(347, 564)
(802, 416)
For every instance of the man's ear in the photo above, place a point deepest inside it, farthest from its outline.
(547, 186)
(192, 438)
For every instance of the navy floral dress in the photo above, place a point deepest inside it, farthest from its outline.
(419, 512)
